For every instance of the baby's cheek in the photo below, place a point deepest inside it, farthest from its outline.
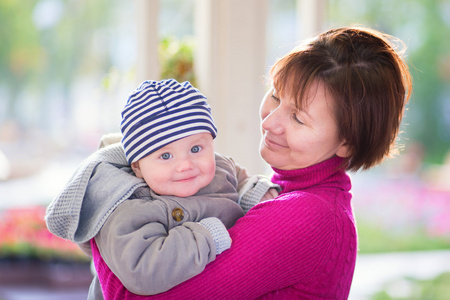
(208, 172)
(212, 171)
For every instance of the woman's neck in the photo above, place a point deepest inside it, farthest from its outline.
(328, 172)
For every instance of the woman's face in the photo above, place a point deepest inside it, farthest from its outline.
(294, 139)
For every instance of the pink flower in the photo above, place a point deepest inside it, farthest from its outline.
(23, 232)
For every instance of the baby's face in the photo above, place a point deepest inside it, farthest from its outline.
(181, 168)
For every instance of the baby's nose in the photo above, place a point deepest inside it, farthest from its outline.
(185, 165)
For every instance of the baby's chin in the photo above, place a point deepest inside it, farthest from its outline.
(192, 191)
(184, 195)
(187, 192)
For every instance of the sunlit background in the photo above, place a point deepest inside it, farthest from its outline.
(67, 67)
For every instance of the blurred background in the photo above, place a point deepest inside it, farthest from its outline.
(67, 67)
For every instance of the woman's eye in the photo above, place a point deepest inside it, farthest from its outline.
(166, 156)
(196, 149)
(296, 119)
(275, 98)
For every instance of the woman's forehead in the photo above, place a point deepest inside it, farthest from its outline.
(300, 94)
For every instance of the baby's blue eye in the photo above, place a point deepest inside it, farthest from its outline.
(196, 149)
(166, 156)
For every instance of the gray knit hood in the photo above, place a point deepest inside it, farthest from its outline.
(78, 212)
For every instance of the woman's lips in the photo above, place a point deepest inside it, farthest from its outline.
(273, 144)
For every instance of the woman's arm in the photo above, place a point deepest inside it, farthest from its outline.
(268, 254)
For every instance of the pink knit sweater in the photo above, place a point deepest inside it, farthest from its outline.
(302, 245)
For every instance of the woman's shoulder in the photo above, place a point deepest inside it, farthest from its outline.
(303, 199)
(295, 204)
(296, 215)
(300, 209)
(300, 214)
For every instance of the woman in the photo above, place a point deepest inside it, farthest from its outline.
(336, 105)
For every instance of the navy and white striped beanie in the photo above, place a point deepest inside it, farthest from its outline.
(158, 113)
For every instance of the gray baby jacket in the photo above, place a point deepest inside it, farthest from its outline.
(150, 242)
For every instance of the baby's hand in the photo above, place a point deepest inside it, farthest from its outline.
(270, 194)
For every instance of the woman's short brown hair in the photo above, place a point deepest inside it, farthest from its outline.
(368, 80)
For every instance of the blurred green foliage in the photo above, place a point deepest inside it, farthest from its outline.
(46, 44)
(424, 26)
(413, 289)
(176, 58)
(51, 50)
(376, 239)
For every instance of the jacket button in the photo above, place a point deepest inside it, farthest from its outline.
(177, 214)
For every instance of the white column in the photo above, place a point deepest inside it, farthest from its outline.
(230, 65)
(147, 67)
(310, 17)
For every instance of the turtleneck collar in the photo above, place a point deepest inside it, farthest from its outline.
(326, 172)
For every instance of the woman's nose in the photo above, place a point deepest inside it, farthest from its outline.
(273, 121)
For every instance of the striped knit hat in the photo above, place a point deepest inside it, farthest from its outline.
(158, 113)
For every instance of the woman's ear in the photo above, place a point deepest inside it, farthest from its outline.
(136, 169)
(343, 150)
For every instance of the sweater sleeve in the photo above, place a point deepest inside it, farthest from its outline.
(275, 245)
(150, 253)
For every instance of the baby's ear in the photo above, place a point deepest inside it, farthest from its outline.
(137, 169)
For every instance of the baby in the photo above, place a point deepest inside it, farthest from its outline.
(174, 205)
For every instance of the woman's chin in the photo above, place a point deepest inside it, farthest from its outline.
(271, 158)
